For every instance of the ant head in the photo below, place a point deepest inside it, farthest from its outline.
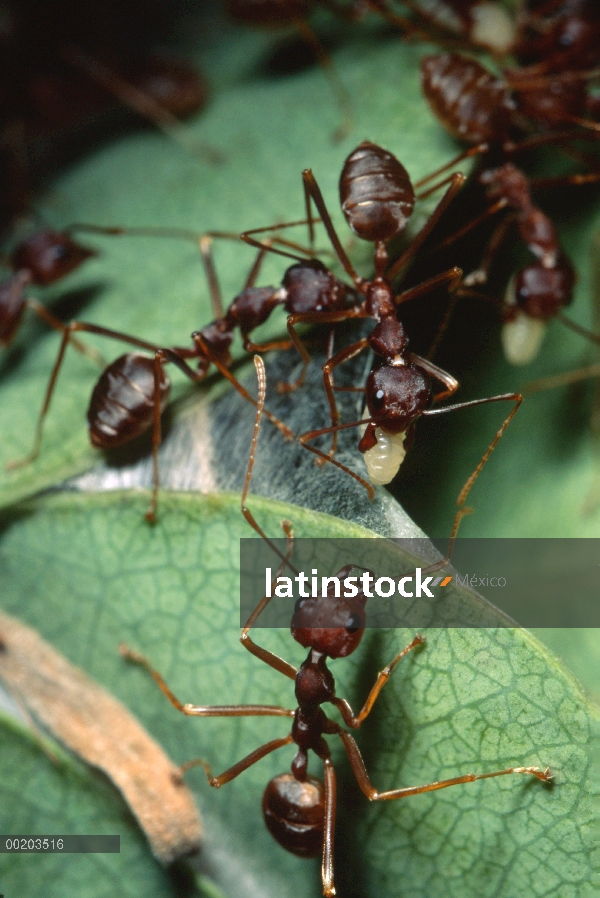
(311, 287)
(388, 338)
(396, 395)
(376, 194)
(49, 256)
(332, 624)
(542, 292)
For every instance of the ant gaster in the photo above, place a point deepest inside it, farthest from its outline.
(300, 809)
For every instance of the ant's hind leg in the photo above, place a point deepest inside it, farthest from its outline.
(362, 777)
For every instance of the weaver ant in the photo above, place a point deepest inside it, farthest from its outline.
(133, 391)
(299, 809)
(41, 259)
(377, 199)
(475, 106)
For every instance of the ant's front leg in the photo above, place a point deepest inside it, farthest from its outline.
(354, 721)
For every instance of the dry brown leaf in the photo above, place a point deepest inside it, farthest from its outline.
(93, 724)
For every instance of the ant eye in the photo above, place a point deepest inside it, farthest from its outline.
(378, 399)
(354, 623)
(59, 252)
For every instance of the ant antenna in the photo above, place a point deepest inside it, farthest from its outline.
(260, 404)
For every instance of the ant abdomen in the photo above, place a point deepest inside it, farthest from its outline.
(294, 813)
(376, 194)
(471, 103)
(122, 403)
(49, 256)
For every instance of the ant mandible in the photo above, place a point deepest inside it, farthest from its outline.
(300, 809)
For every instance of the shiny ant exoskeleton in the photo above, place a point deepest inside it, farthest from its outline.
(133, 391)
(476, 106)
(299, 809)
(377, 199)
(41, 259)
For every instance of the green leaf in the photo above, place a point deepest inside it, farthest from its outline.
(270, 129)
(41, 797)
(90, 574)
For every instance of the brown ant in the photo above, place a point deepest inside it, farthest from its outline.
(299, 809)
(133, 391)
(41, 259)
(485, 112)
(377, 199)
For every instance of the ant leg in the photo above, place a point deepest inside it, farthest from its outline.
(452, 277)
(500, 204)
(472, 151)
(67, 337)
(460, 501)
(355, 720)
(563, 379)
(314, 318)
(584, 178)
(247, 237)
(257, 755)
(202, 710)
(362, 777)
(480, 275)
(330, 783)
(159, 361)
(335, 83)
(313, 434)
(344, 355)
(582, 331)
(46, 316)
(456, 182)
(208, 354)
(313, 191)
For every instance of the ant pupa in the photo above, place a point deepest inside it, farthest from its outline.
(133, 391)
(299, 809)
